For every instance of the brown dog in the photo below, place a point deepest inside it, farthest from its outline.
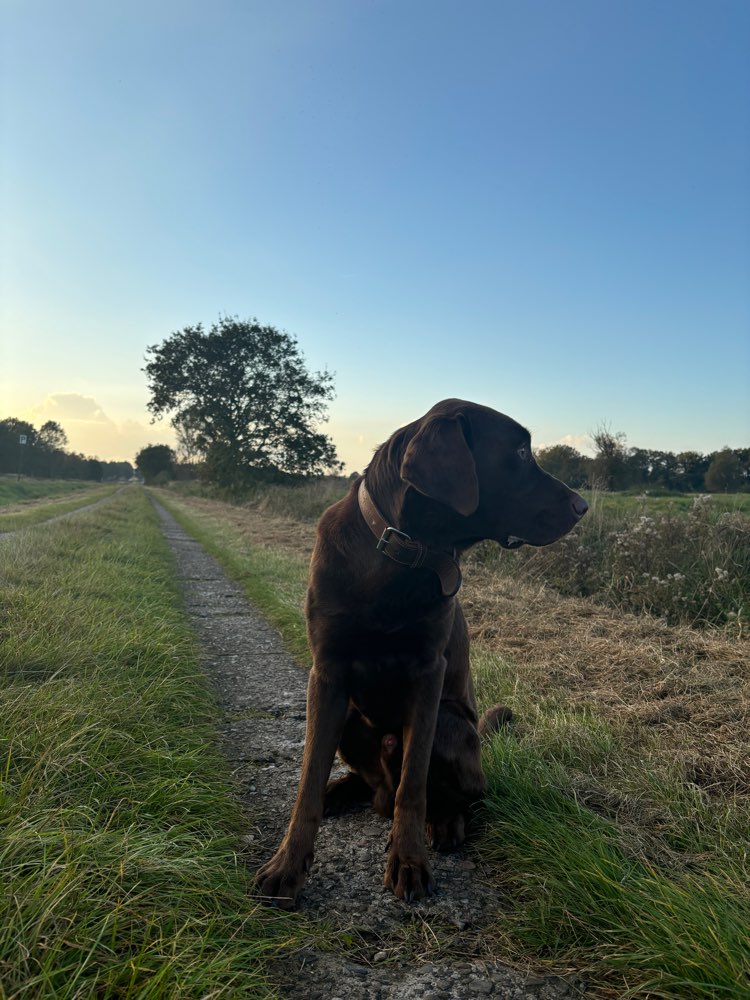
(390, 685)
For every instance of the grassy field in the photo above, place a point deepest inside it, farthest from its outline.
(687, 561)
(669, 503)
(24, 503)
(618, 812)
(16, 491)
(118, 826)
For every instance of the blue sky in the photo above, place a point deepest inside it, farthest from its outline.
(543, 206)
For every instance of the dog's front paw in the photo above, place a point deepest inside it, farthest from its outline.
(408, 874)
(280, 880)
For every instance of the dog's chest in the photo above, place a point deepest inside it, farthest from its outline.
(384, 683)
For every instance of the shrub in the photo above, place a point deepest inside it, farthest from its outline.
(692, 567)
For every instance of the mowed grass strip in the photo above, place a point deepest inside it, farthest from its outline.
(14, 490)
(615, 862)
(39, 511)
(117, 823)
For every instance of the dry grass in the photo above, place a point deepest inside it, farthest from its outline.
(255, 526)
(692, 687)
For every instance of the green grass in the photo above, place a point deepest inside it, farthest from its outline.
(614, 864)
(584, 896)
(666, 503)
(39, 513)
(15, 490)
(118, 827)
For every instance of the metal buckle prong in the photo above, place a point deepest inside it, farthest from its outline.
(386, 537)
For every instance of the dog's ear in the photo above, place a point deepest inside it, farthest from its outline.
(438, 463)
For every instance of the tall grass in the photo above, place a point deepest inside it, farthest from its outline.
(615, 862)
(117, 824)
(691, 567)
(583, 896)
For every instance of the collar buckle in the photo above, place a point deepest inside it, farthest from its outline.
(386, 537)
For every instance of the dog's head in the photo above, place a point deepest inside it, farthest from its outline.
(479, 463)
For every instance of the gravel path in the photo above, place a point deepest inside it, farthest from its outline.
(393, 951)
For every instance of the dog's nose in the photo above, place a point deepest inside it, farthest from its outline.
(579, 505)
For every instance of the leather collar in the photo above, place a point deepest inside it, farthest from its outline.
(404, 550)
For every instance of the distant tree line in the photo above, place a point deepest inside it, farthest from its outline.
(45, 455)
(615, 466)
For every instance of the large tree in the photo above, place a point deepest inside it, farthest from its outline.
(724, 474)
(52, 440)
(155, 460)
(52, 437)
(245, 394)
(609, 465)
(566, 463)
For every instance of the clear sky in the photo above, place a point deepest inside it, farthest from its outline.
(540, 205)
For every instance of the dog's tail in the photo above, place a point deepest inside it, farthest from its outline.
(494, 718)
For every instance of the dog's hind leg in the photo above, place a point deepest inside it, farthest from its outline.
(360, 748)
(455, 783)
(345, 793)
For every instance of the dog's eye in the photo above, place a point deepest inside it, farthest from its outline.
(523, 452)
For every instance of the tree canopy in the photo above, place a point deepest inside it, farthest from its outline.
(155, 462)
(724, 474)
(565, 463)
(52, 436)
(243, 396)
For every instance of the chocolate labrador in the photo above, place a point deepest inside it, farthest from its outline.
(390, 685)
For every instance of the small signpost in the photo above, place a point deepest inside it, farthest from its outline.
(21, 443)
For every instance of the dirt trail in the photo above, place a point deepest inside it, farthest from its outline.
(262, 693)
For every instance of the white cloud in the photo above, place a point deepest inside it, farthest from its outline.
(91, 431)
(581, 442)
(71, 406)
